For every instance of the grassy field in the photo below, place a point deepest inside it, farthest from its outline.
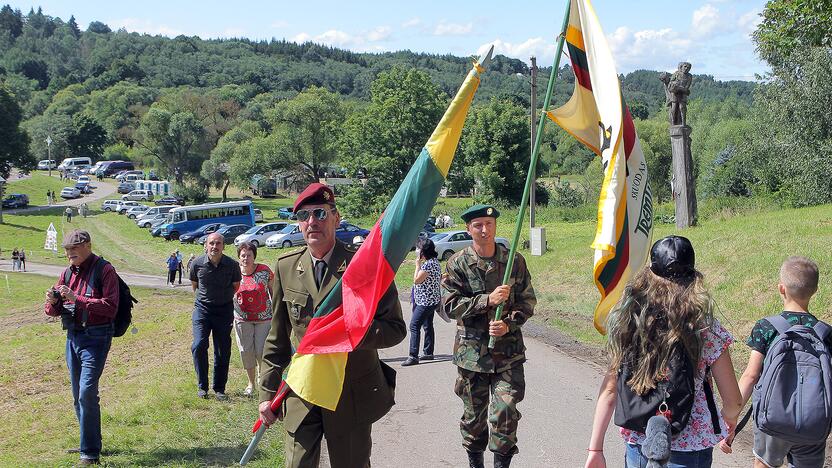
(150, 413)
(37, 185)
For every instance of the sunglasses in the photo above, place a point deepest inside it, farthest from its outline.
(318, 213)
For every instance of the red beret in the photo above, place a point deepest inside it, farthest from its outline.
(315, 193)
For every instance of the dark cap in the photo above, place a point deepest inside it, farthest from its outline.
(673, 257)
(479, 211)
(76, 237)
(315, 193)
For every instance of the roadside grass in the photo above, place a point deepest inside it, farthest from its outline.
(150, 413)
(36, 186)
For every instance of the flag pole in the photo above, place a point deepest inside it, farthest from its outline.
(533, 162)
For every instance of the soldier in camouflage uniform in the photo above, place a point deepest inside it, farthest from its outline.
(474, 289)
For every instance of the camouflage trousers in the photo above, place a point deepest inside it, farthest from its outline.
(490, 400)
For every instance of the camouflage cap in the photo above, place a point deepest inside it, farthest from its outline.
(76, 237)
(479, 211)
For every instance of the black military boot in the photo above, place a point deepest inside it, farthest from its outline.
(476, 460)
(501, 461)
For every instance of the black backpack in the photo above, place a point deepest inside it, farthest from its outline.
(674, 394)
(126, 301)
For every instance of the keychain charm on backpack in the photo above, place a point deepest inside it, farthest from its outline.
(664, 410)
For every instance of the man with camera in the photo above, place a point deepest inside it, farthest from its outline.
(87, 307)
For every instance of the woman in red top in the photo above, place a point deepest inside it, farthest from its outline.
(252, 310)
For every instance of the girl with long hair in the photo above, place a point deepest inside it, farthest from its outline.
(666, 312)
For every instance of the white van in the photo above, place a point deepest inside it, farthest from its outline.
(69, 164)
(153, 211)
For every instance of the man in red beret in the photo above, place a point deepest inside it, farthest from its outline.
(303, 279)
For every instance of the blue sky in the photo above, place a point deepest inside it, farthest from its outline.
(652, 34)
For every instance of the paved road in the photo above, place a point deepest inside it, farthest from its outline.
(133, 279)
(422, 429)
(102, 190)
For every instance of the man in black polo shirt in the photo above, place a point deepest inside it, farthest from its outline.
(215, 278)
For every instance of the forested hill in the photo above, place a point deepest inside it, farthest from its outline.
(41, 55)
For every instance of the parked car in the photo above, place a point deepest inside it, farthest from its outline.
(125, 205)
(156, 231)
(143, 195)
(148, 222)
(110, 205)
(135, 211)
(111, 168)
(190, 237)
(170, 200)
(70, 192)
(448, 243)
(229, 233)
(153, 211)
(16, 200)
(289, 236)
(123, 175)
(45, 164)
(286, 213)
(258, 215)
(85, 179)
(347, 232)
(257, 235)
(126, 187)
(83, 187)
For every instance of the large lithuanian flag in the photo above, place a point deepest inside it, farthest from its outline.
(316, 373)
(598, 117)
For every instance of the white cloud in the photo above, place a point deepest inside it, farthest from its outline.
(535, 46)
(452, 29)
(706, 21)
(412, 22)
(650, 48)
(749, 21)
(144, 26)
(380, 33)
(363, 41)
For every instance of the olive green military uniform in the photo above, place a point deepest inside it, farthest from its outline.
(483, 372)
(369, 383)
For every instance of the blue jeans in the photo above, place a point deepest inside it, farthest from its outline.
(697, 459)
(219, 324)
(422, 318)
(86, 354)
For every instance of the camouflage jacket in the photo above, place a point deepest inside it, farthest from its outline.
(468, 281)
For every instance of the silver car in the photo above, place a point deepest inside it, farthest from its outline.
(135, 211)
(449, 243)
(289, 236)
(258, 235)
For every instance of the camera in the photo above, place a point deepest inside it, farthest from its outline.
(55, 294)
(67, 311)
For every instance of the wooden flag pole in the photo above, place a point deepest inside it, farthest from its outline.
(533, 163)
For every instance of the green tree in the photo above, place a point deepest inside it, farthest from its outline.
(790, 26)
(309, 126)
(495, 150)
(172, 138)
(381, 141)
(87, 138)
(218, 168)
(14, 142)
(654, 136)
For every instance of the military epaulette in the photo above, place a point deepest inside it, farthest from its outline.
(351, 248)
(291, 254)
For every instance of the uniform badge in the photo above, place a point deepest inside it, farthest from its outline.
(343, 267)
(326, 196)
(489, 211)
(300, 268)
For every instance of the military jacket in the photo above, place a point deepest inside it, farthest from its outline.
(368, 386)
(468, 281)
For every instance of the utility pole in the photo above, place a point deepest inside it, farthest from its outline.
(49, 152)
(2, 182)
(533, 126)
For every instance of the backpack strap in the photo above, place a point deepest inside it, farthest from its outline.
(709, 398)
(778, 322)
(67, 276)
(93, 280)
(823, 330)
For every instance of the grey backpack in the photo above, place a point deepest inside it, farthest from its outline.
(793, 398)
